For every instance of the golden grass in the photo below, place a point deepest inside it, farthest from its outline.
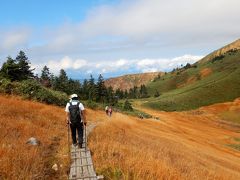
(174, 148)
(186, 145)
(20, 120)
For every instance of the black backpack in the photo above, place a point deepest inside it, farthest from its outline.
(74, 113)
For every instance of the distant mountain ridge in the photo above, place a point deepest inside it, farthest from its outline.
(232, 46)
(126, 82)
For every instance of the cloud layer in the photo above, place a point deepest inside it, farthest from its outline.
(137, 34)
(107, 68)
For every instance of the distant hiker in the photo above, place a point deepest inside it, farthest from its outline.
(106, 110)
(76, 117)
(110, 111)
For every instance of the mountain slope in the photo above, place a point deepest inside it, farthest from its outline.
(223, 50)
(131, 80)
(20, 120)
(180, 145)
(211, 80)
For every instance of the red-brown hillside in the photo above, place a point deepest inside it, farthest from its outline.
(131, 80)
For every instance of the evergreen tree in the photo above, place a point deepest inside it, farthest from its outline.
(126, 95)
(24, 66)
(10, 69)
(110, 98)
(74, 86)
(143, 91)
(133, 93)
(61, 82)
(91, 89)
(119, 93)
(187, 66)
(85, 94)
(45, 78)
(101, 89)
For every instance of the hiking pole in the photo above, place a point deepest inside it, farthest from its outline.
(85, 129)
(68, 124)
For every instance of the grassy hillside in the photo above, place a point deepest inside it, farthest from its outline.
(180, 145)
(20, 120)
(213, 81)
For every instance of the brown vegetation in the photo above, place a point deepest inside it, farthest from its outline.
(205, 72)
(20, 120)
(131, 80)
(181, 145)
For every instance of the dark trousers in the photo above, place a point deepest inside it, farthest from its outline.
(78, 127)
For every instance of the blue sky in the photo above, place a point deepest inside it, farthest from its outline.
(46, 12)
(115, 37)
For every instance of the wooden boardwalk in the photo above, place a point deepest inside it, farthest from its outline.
(81, 163)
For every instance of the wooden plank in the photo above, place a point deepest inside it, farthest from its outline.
(81, 163)
(84, 163)
(90, 168)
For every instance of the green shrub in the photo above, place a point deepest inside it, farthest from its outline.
(127, 106)
(91, 104)
(51, 97)
(157, 94)
(6, 86)
(29, 88)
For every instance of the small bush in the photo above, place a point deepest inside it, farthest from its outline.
(91, 104)
(217, 58)
(127, 106)
(29, 88)
(157, 94)
(6, 86)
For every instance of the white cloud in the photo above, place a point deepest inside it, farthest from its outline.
(141, 24)
(11, 39)
(145, 33)
(120, 63)
(128, 65)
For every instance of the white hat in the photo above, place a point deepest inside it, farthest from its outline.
(73, 96)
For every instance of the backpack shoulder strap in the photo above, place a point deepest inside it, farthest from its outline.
(70, 103)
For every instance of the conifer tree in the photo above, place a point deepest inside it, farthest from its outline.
(101, 89)
(143, 91)
(91, 89)
(24, 66)
(45, 78)
(85, 89)
(10, 69)
(61, 82)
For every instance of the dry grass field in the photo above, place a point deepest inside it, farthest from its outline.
(181, 145)
(20, 120)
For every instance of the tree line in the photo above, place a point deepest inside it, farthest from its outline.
(19, 69)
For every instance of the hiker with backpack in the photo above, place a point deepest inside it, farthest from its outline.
(106, 110)
(76, 118)
(110, 111)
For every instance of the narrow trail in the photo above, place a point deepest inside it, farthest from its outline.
(81, 160)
